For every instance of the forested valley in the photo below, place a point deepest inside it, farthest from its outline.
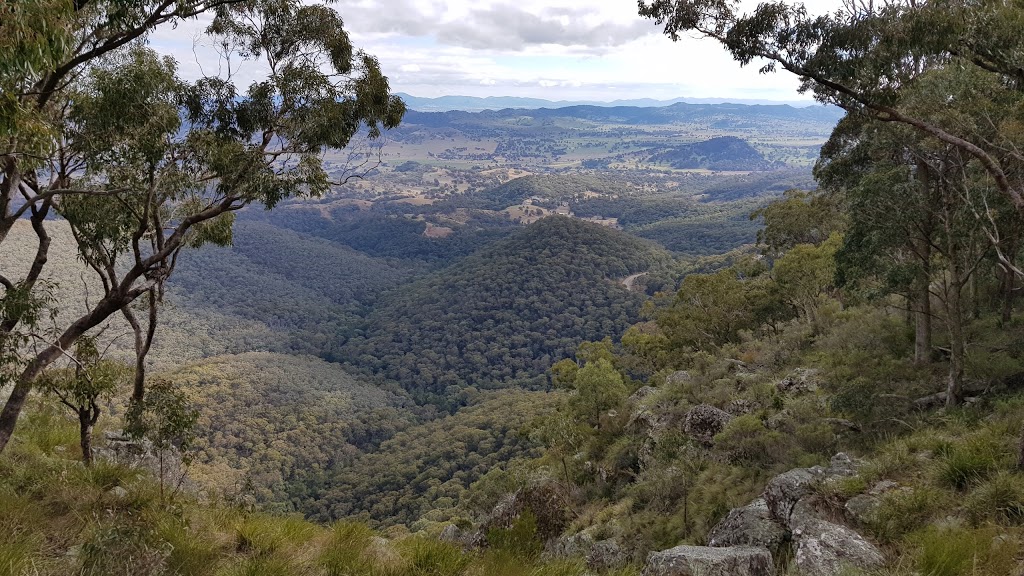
(304, 328)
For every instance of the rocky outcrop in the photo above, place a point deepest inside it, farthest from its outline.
(600, 555)
(704, 421)
(545, 498)
(789, 510)
(752, 525)
(678, 377)
(799, 381)
(708, 561)
(825, 549)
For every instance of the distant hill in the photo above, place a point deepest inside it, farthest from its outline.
(549, 188)
(507, 312)
(718, 115)
(474, 103)
(722, 153)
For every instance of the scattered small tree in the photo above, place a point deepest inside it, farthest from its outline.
(165, 418)
(87, 380)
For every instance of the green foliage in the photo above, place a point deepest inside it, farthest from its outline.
(998, 499)
(965, 552)
(519, 540)
(798, 217)
(599, 388)
(903, 511)
(507, 312)
(971, 461)
(745, 440)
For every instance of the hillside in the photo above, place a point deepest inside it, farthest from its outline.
(419, 476)
(723, 153)
(504, 313)
(264, 418)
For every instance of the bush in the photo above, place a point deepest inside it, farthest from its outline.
(963, 552)
(904, 511)
(520, 539)
(745, 440)
(971, 461)
(345, 554)
(999, 499)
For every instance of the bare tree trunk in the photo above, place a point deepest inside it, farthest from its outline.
(957, 347)
(923, 325)
(85, 423)
(922, 288)
(1008, 285)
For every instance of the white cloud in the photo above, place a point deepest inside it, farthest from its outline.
(560, 49)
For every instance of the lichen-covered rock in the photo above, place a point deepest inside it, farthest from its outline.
(703, 421)
(573, 546)
(861, 509)
(751, 525)
(606, 555)
(741, 406)
(678, 377)
(799, 381)
(708, 561)
(784, 491)
(842, 465)
(826, 549)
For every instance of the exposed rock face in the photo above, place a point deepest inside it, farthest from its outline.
(678, 377)
(784, 491)
(126, 451)
(575, 546)
(825, 549)
(703, 421)
(752, 525)
(544, 498)
(707, 561)
(606, 555)
(789, 508)
(799, 381)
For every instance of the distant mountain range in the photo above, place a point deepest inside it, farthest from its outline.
(476, 104)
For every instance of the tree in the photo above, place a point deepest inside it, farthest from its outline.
(799, 217)
(165, 418)
(864, 56)
(143, 165)
(87, 379)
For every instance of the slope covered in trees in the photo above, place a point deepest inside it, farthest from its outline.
(722, 153)
(273, 425)
(504, 313)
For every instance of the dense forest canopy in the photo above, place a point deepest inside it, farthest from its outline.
(519, 342)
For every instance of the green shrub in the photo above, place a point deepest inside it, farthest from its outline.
(954, 551)
(345, 552)
(520, 539)
(261, 534)
(191, 552)
(745, 440)
(124, 549)
(971, 461)
(903, 511)
(429, 557)
(999, 499)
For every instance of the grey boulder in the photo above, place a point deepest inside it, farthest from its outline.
(826, 549)
(707, 561)
(751, 525)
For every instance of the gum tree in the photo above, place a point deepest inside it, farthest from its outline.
(143, 165)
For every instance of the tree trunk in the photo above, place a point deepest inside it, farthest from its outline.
(16, 401)
(1009, 283)
(957, 347)
(85, 423)
(922, 247)
(923, 326)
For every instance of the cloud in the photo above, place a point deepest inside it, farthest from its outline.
(501, 26)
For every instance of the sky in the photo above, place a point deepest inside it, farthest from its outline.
(552, 49)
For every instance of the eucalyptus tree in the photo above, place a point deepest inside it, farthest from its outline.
(142, 164)
(863, 56)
